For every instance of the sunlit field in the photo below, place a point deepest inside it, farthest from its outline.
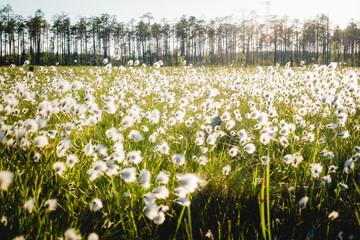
(140, 152)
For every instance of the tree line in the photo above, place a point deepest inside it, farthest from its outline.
(253, 40)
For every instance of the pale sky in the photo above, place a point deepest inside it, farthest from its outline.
(340, 12)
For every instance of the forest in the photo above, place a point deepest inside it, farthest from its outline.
(253, 40)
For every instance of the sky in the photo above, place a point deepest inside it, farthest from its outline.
(339, 12)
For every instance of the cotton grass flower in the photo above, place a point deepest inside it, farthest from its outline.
(344, 134)
(149, 198)
(303, 201)
(88, 149)
(333, 215)
(250, 148)
(127, 122)
(183, 201)
(226, 170)
(233, 151)
(51, 204)
(144, 178)
(189, 181)
(159, 218)
(19, 238)
(128, 175)
(151, 210)
(163, 148)
(93, 236)
(71, 160)
(134, 157)
(161, 192)
(181, 192)
(59, 167)
(265, 160)
(29, 205)
(72, 234)
(96, 205)
(6, 178)
(316, 169)
(41, 141)
(178, 159)
(135, 135)
(162, 178)
(349, 165)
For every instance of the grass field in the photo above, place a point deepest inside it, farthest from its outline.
(179, 153)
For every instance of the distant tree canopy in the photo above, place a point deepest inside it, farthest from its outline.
(220, 41)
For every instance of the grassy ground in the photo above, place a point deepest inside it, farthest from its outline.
(234, 194)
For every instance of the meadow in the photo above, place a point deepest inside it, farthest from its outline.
(153, 152)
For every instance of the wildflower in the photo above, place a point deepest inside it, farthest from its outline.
(265, 138)
(59, 167)
(357, 150)
(288, 159)
(96, 205)
(159, 218)
(344, 134)
(71, 234)
(326, 180)
(164, 148)
(71, 160)
(145, 176)
(202, 160)
(19, 238)
(209, 234)
(135, 135)
(349, 165)
(183, 201)
(29, 205)
(211, 139)
(226, 170)
(233, 151)
(93, 236)
(303, 201)
(127, 122)
(62, 147)
(265, 160)
(316, 169)
(332, 169)
(4, 221)
(149, 198)
(162, 178)
(332, 126)
(151, 210)
(284, 141)
(134, 157)
(199, 141)
(36, 157)
(41, 141)
(6, 178)
(113, 135)
(302, 111)
(230, 124)
(88, 149)
(343, 186)
(296, 159)
(189, 181)
(250, 148)
(99, 166)
(128, 174)
(333, 215)
(51, 204)
(161, 192)
(178, 159)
